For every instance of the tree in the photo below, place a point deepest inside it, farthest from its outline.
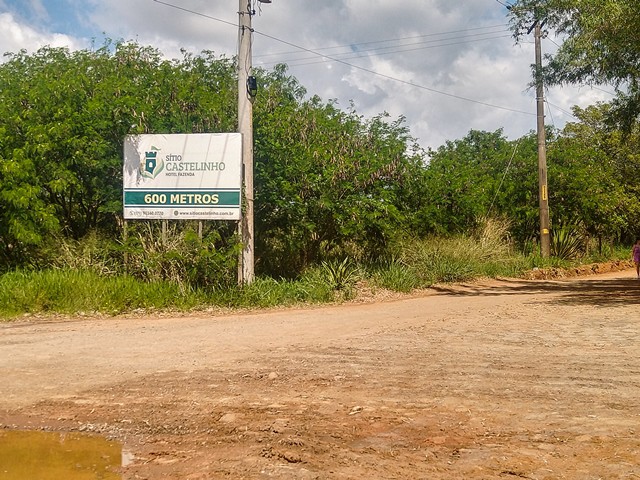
(479, 175)
(63, 119)
(328, 182)
(594, 170)
(601, 46)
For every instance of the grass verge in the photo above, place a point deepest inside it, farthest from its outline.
(417, 264)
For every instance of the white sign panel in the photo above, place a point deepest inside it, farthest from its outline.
(183, 176)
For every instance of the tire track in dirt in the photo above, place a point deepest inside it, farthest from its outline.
(493, 380)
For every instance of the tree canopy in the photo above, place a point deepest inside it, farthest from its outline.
(601, 45)
(329, 183)
(63, 118)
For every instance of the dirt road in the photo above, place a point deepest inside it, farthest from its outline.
(509, 379)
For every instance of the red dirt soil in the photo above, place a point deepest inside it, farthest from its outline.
(534, 379)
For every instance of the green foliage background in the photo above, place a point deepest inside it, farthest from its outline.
(599, 45)
(330, 184)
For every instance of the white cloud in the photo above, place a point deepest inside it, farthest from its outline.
(15, 36)
(469, 61)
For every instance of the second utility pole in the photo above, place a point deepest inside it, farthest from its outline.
(543, 191)
(245, 127)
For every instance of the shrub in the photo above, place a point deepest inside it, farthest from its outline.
(568, 242)
(180, 256)
(342, 275)
(393, 275)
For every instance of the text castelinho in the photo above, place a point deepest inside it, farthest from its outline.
(194, 166)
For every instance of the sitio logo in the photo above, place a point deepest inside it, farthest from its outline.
(152, 165)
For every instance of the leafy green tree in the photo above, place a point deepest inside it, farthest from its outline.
(328, 182)
(64, 116)
(594, 162)
(601, 45)
(594, 173)
(481, 175)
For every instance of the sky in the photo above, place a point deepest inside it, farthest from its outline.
(446, 66)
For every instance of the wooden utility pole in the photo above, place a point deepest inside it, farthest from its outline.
(543, 190)
(245, 127)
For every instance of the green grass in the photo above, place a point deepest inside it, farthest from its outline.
(269, 292)
(415, 264)
(422, 263)
(85, 292)
(393, 275)
(76, 291)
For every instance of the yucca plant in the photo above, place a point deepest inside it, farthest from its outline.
(341, 276)
(568, 242)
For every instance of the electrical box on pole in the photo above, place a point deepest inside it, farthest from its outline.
(247, 90)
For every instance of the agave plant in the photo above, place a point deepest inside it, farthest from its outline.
(568, 242)
(341, 275)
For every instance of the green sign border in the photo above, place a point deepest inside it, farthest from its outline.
(180, 198)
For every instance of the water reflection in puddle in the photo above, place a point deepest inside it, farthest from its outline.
(56, 456)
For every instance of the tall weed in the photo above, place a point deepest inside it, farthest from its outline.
(77, 291)
(394, 275)
(458, 258)
(91, 253)
(181, 257)
(269, 292)
(181, 271)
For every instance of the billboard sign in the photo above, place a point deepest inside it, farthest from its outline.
(182, 176)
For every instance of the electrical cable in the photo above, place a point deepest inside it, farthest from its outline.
(357, 67)
(553, 41)
(553, 122)
(353, 56)
(400, 39)
(506, 170)
(561, 109)
(507, 6)
(395, 79)
(197, 13)
(602, 90)
(402, 47)
(365, 54)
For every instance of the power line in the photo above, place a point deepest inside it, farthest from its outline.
(428, 43)
(400, 39)
(197, 13)
(553, 122)
(507, 6)
(602, 90)
(345, 56)
(561, 109)
(553, 41)
(377, 52)
(506, 170)
(357, 67)
(389, 77)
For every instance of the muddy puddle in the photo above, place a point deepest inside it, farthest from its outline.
(55, 456)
